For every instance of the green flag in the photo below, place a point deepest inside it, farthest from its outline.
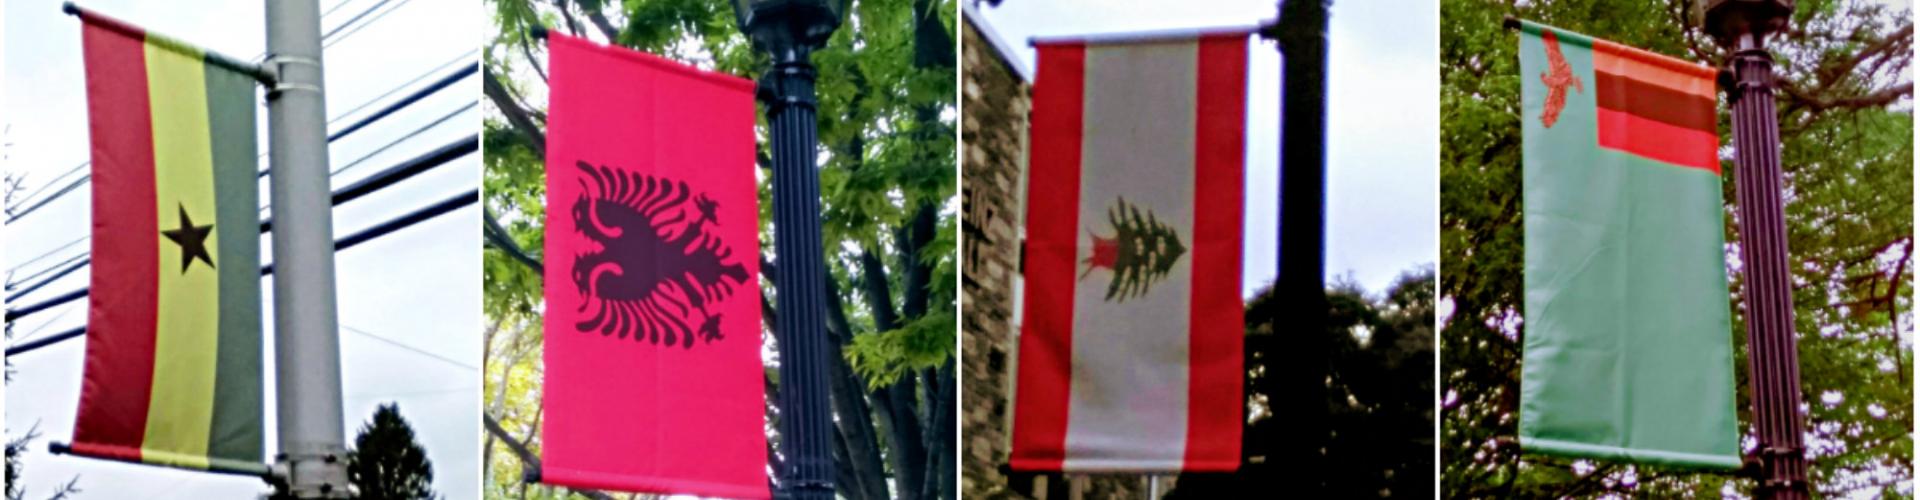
(1627, 342)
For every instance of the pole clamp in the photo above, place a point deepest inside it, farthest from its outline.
(786, 85)
(276, 65)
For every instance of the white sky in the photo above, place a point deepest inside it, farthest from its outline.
(1383, 113)
(418, 287)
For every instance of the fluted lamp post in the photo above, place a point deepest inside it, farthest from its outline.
(789, 31)
(1773, 362)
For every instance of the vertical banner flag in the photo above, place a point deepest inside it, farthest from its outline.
(1130, 354)
(1628, 352)
(654, 381)
(173, 363)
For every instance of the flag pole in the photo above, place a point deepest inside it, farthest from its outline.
(312, 442)
(1772, 359)
(1301, 284)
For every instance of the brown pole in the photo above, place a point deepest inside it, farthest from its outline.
(1772, 358)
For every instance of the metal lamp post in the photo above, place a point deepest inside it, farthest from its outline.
(313, 451)
(1301, 285)
(1772, 360)
(789, 31)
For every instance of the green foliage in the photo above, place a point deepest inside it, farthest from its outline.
(386, 463)
(882, 358)
(1379, 398)
(1846, 125)
(887, 177)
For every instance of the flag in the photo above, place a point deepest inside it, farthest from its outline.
(654, 381)
(1627, 346)
(173, 358)
(1130, 352)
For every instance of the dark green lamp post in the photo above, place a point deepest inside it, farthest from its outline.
(789, 31)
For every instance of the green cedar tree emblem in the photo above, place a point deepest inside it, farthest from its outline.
(1140, 253)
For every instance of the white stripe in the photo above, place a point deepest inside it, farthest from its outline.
(1128, 407)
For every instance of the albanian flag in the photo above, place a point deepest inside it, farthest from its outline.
(1130, 352)
(1627, 353)
(654, 381)
(173, 366)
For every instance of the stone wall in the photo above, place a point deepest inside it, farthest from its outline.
(993, 127)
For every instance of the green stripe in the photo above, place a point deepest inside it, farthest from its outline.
(238, 402)
(1566, 37)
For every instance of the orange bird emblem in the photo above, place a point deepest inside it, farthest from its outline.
(1558, 77)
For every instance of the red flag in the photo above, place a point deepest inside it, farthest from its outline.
(1130, 349)
(654, 381)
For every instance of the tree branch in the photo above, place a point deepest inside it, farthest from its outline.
(527, 456)
(516, 115)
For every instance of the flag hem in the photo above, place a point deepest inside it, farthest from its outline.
(562, 476)
(1083, 465)
(157, 458)
(1583, 450)
(652, 61)
(1650, 57)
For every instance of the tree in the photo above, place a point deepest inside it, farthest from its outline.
(15, 447)
(1846, 124)
(386, 463)
(886, 109)
(1379, 395)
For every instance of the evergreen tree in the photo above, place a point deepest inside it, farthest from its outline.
(1140, 253)
(387, 464)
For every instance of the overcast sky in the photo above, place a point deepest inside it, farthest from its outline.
(409, 301)
(1383, 113)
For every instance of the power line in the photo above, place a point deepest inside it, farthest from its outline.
(388, 177)
(416, 350)
(44, 255)
(410, 135)
(336, 6)
(444, 206)
(409, 100)
(356, 17)
(416, 79)
(359, 188)
(14, 213)
(11, 283)
(356, 29)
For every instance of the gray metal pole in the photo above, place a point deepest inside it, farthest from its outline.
(312, 459)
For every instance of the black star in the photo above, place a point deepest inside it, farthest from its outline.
(192, 240)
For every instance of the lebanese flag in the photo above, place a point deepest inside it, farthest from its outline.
(1130, 354)
(654, 381)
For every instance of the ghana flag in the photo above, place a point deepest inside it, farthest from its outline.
(1627, 352)
(173, 367)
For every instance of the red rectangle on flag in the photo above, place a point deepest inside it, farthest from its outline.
(1130, 350)
(654, 381)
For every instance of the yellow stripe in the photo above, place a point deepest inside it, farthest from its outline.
(186, 344)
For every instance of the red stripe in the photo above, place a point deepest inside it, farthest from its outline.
(1659, 141)
(118, 380)
(1053, 197)
(109, 452)
(1214, 398)
(1654, 102)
